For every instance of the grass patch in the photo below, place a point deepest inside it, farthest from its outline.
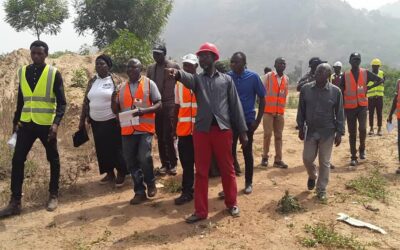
(172, 185)
(372, 185)
(324, 235)
(289, 204)
(79, 78)
(293, 101)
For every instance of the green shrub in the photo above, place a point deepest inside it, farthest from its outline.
(58, 54)
(128, 46)
(79, 78)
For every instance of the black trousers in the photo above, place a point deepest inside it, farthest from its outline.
(165, 129)
(375, 103)
(108, 143)
(353, 116)
(26, 136)
(186, 156)
(247, 153)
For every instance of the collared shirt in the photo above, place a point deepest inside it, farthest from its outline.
(248, 86)
(309, 77)
(217, 99)
(321, 110)
(33, 74)
(165, 86)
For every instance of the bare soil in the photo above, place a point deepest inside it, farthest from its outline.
(92, 216)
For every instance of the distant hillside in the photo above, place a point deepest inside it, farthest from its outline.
(392, 9)
(295, 29)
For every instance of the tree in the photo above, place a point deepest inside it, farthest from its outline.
(39, 16)
(144, 18)
(128, 46)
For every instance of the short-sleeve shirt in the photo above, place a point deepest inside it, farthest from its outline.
(248, 86)
(155, 96)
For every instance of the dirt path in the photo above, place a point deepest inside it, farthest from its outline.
(100, 217)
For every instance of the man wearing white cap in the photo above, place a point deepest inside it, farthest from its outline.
(185, 103)
(336, 77)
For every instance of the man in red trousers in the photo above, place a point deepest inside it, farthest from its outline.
(218, 111)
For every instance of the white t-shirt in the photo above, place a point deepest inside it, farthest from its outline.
(100, 99)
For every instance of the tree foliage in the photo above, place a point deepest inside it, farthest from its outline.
(38, 16)
(128, 46)
(144, 18)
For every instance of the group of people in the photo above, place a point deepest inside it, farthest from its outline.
(207, 113)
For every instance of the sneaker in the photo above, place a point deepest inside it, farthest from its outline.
(264, 162)
(52, 204)
(234, 211)
(371, 132)
(138, 199)
(13, 208)
(107, 179)
(362, 156)
(193, 218)
(379, 131)
(151, 190)
(353, 163)
(310, 184)
(322, 197)
(162, 171)
(120, 180)
(172, 171)
(221, 195)
(248, 189)
(280, 164)
(184, 198)
(398, 171)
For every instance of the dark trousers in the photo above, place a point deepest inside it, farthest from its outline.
(107, 140)
(165, 130)
(355, 115)
(247, 153)
(137, 155)
(26, 136)
(186, 156)
(375, 103)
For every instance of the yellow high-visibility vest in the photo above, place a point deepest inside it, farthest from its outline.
(378, 90)
(39, 105)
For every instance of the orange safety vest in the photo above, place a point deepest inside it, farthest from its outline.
(140, 99)
(398, 100)
(275, 99)
(355, 93)
(187, 110)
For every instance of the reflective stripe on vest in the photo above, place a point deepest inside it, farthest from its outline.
(187, 111)
(39, 105)
(378, 90)
(355, 92)
(275, 99)
(398, 100)
(140, 99)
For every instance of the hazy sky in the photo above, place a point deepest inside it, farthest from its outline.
(69, 40)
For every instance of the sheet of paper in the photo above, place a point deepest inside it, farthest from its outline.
(127, 119)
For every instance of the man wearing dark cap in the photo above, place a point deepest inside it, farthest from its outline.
(166, 118)
(354, 88)
(40, 107)
(310, 76)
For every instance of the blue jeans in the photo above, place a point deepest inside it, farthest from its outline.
(137, 155)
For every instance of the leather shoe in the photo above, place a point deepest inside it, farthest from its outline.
(193, 218)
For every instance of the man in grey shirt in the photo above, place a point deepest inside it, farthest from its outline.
(320, 118)
(218, 111)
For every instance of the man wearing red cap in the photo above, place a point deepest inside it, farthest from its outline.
(218, 111)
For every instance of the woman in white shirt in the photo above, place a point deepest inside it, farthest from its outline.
(97, 112)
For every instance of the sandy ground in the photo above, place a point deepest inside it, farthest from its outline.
(100, 217)
(91, 216)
